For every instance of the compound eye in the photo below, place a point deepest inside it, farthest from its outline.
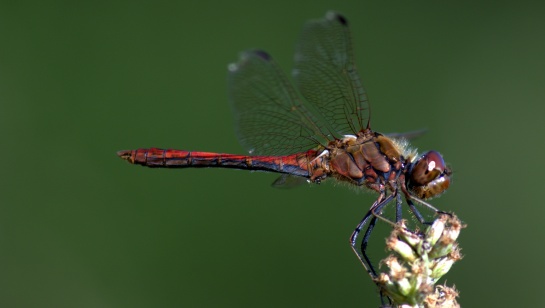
(430, 166)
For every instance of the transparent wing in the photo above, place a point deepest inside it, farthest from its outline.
(408, 135)
(268, 113)
(325, 74)
(289, 181)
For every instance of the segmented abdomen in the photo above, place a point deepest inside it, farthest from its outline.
(297, 164)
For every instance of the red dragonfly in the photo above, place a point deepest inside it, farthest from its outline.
(328, 136)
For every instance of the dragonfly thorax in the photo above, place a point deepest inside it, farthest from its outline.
(370, 159)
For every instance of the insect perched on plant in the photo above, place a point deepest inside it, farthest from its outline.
(328, 136)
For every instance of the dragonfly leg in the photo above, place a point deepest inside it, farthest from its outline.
(419, 216)
(363, 246)
(375, 208)
(374, 212)
(399, 213)
(354, 237)
(417, 213)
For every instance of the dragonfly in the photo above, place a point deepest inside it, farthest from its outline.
(326, 135)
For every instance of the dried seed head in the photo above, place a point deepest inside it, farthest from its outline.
(402, 248)
(436, 230)
(423, 258)
(444, 297)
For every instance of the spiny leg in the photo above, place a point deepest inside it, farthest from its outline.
(364, 243)
(375, 212)
(426, 204)
(417, 214)
(377, 206)
(354, 237)
(399, 213)
(364, 258)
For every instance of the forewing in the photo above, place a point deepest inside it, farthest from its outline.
(325, 74)
(269, 117)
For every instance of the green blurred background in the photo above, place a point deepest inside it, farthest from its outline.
(81, 80)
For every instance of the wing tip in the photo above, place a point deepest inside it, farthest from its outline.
(332, 15)
(262, 54)
(246, 56)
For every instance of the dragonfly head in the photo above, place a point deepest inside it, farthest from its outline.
(126, 155)
(428, 176)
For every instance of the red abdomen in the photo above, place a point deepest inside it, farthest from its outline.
(299, 164)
